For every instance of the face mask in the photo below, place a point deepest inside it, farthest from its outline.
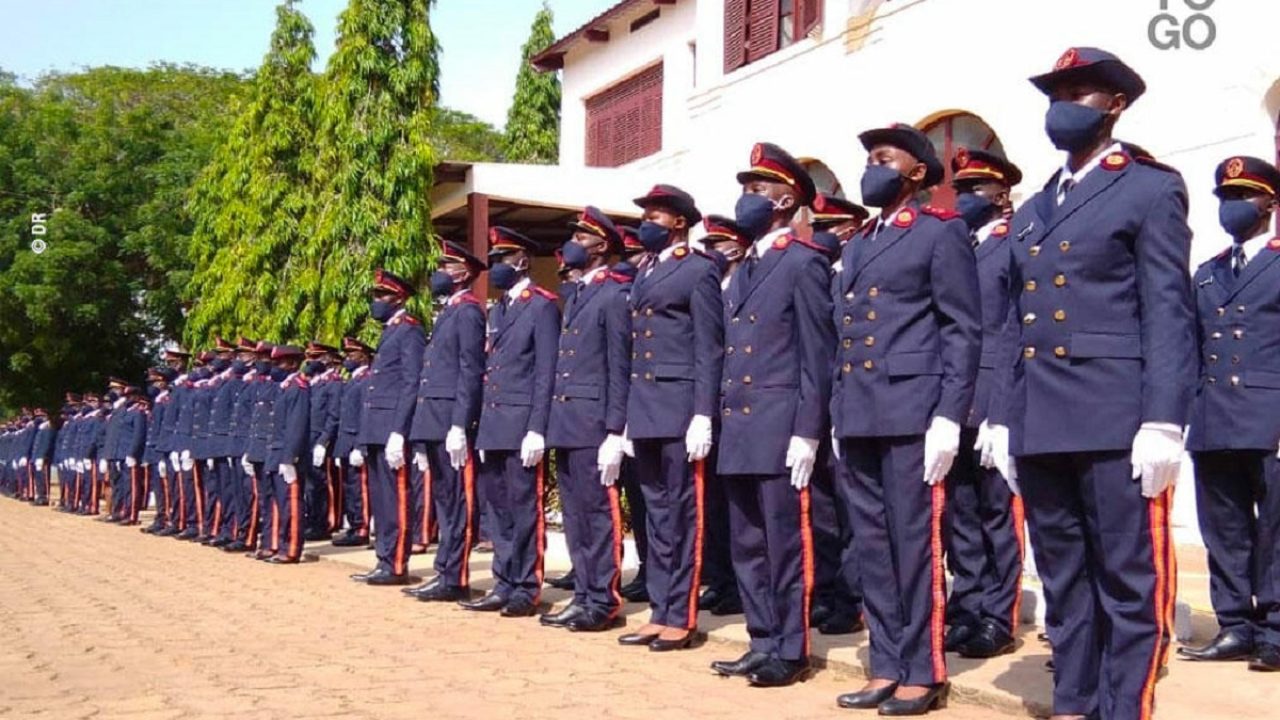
(881, 185)
(975, 209)
(722, 262)
(262, 367)
(624, 268)
(314, 367)
(441, 283)
(574, 255)
(1238, 217)
(828, 241)
(754, 214)
(381, 310)
(153, 392)
(220, 365)
(503, 276)
(239, 367)
(279, 374)
(654, 237)
(1072, 126)
(351, 365)
(112, 396)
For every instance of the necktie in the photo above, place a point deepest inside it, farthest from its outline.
(973, 240)
(1238, 260)
(749, 265)
(1065, 189)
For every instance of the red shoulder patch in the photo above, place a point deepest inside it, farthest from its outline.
(600, 278)
(904, 218)
(410, 320)
(1116, 161)
(680, 253)
(940, 213)
(1274, 244)
(811, 245)
(782, 242)
(620, 278)
(1000, 230)
(541, 292)
(468, 298)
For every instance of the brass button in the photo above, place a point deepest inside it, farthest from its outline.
(648, 376)
(1237, 334)
(868, 365)
(848, 368)
(848, 319)
(728, 382)
(635, 355)
(1028, 318)
(648, 333)
(1034, 250)
(1213, 358)
(1060, 352)
(1222, 311)
(635, 313)
(874, 292)
(648, 355)
(849, 296)
(871, 315)
(1235, 359)
(1059, 280)
(747, 349)
(1213, 381)
(848, 343)
(1240, 309)
(869, 342)
(751, 317)
(735, 321)
(728, 350)
(727, 411)
(1064, 246)
(634, 376)
(565, 331)
(648, 311)
(577, 331)
(564, 375)
(1028, 352)
(635, 335)
(571, 352)
(1059, 315)
(746, 410)
(1216, 336)
(1031, 286)
(1235, 380)
(746, 380)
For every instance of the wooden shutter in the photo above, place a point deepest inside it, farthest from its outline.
(808, 15)
(624, 122)
(735, 34)
(762, 28)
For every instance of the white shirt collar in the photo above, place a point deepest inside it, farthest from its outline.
(1088, 167)
(519, 287)
(398, 313)
(1253, 246)
(119, 403)
(457, 295)
(292, 375)
(591, 274)
(669, 250)
(765, 243)
(984, 232)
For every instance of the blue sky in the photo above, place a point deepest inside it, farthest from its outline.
(481, 38)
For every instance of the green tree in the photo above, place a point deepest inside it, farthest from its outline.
(533, 122)
(463, 137)
(251, 200)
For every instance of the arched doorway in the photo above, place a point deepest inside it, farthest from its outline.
(950, 131)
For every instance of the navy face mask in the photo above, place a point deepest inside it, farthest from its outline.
(975, 209)
(754, 214)
(1238, 217)
(314, 367)
(262, 367)
(503, 276)
(575, 256)
(1072, 126)
(441, 283)
(279, 374)
(239, 367)
(654, 237)
(381, 310)
(881, 185)
(220, 365)
(351, 365)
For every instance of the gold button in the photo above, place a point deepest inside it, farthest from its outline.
(728, 350)
(570, 352)
(849, 296)
(1060, 352)
(1064, 246)
(1213, 358)
(848, 368)
(1034, 250)
(1213, 381)
(635, 313)
(635, 355)
(746, 410)
(1235, 380)
(848, 319)
(648, 376)
(728, 382)
(635, 335)
(565, 375)
(1028, 353)
(1240, 309)
(1216, 336)
(648, 311)
(634, 376)
(747, 349)
(648, 333)
(648, 355)
(577, 331)
(1031, 286)
(727, 411)
(735, 321)
(1059, 280)
(871, 315)
(869, 342)
(848, 343)
(868, 365)
(746, 380)
(1059, 315)
(1235, 359)
(874, 292)
(751, 317)
(1028, 318)
(1222, 311)
(1237, 334)
(564, 331)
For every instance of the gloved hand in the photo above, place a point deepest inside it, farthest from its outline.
(801, 455)
(532, 448)
(395, 451)
(337, 462)
(130, 461)
(187, 463)
(481, 454)
(288, 473)
(994, 446)
(941, 445)
(39, 464)
(1156, 457)
(420, 459)
(317, 456)
(1278, 452)
(455, 443)
(22, 462)
(609, 459)
(835, 444)
(102, 466)
(86, 465)
(174, 462)
(186, 455)
(697, 439)
(628, 447)
(244, 463)
(356, 458)
(208, 463)
(163, 469)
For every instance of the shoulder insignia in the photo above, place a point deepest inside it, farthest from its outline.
(541, 292)
(302, 382)
(600, 278)
(1116, 161)
(1274, 244)
(620, 278)
(783, 241)
(811, 245)
(940, 213)
(410, 320)
(1151, 162)
(904, 218)
(469, 298)
(680, 253)
(1000, 230)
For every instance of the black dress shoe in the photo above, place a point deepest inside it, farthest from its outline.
(285, 560)
(779, 673)
(207, 540)
(842, 622)
(990, 641)
(189, 534)
(443, 593)
(743, 666)
(710, 598)
(386, 578)
(519, 608)
(221, 542)
(564, 582)
(866, 699)
(819, 612)
(730, 604)
(235, 546)
(361, 577)
(594, 621)
(488, 603)
(421, 588)
(636, 639)
(1266, 658)
(958, 635)
(151, 529)
(316, 536)
(562, 618)
(934, 699)
(684, 643)
(351, 540)
(635, 591)
(1228, 645)
(167, 532)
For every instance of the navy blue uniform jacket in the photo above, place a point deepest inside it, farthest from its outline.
(289, 432)
(993, 282)
(389, 387)
(518, 378)
(449, 386)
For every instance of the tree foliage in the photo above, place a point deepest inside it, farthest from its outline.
(533, 122)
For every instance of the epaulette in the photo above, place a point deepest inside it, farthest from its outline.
(300, 381)
(529, 292)
(406, 319)
(620, 278)
(940, 213)
(1142, 157)
(469, 298)
(1274, 244)
(1001, 229)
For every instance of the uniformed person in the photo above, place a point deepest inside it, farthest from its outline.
(110, 457)
(1235, 419)
(624, 273)
(984, 519)
(222, 450)
(42, 456)
(200, 488)
(347, 454)
(774, 403)
(267, 379)
(1103, 327)
(320, 495)
(523, 329)
(244, 386)
(89, 446)
(62, 455)
(678, 342)
(384, 428)
(908, 315)
(835, 220)
(176, 359)
(133, 441)
(588, 416)
(287, 449)
(152, 456)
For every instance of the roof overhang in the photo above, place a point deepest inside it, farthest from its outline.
(596, 30)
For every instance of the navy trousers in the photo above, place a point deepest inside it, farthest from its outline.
(593, 530)
(42, 484)
(1105, 554)
(228, 515)
(287, 516)
(265, 494)
(389, 497)
(1238, 501)
(113, 480)
(629, 482)
(355, 483)
(421, 517)
(899, 544)
(177, 504)
(249, 503)
(717, 557)
(673, 496)
(316, 494)
(773, 559)
(519, 529)
(984, 543)
(837, 581)
(453, 495)
(193, 499)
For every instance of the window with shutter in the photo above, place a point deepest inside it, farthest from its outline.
(809, 16)
(735, 34)
(762, 28)
(754, 29)
(624, 122)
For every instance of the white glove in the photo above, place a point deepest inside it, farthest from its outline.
(983, 446)
(162, 469)
(337, 462)
(941, 445)
(835, 444)
(244, 463)
(187, 463)
(22, 462)
(420, 459)
(39, 464)
(481, 454)
(86, 465)
(395, 451)
(317, 456)
(697, 439)
(609, 459)
(174, 462)
(994, 446)
(356, 458)
(1157, 457)
(455, 443)
(532, 448)
(289, 473)
(131, 462)
(102, 466)
(1278, 452)
(628, 447)
(801, 455)
(208, 463)
(186, 455)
